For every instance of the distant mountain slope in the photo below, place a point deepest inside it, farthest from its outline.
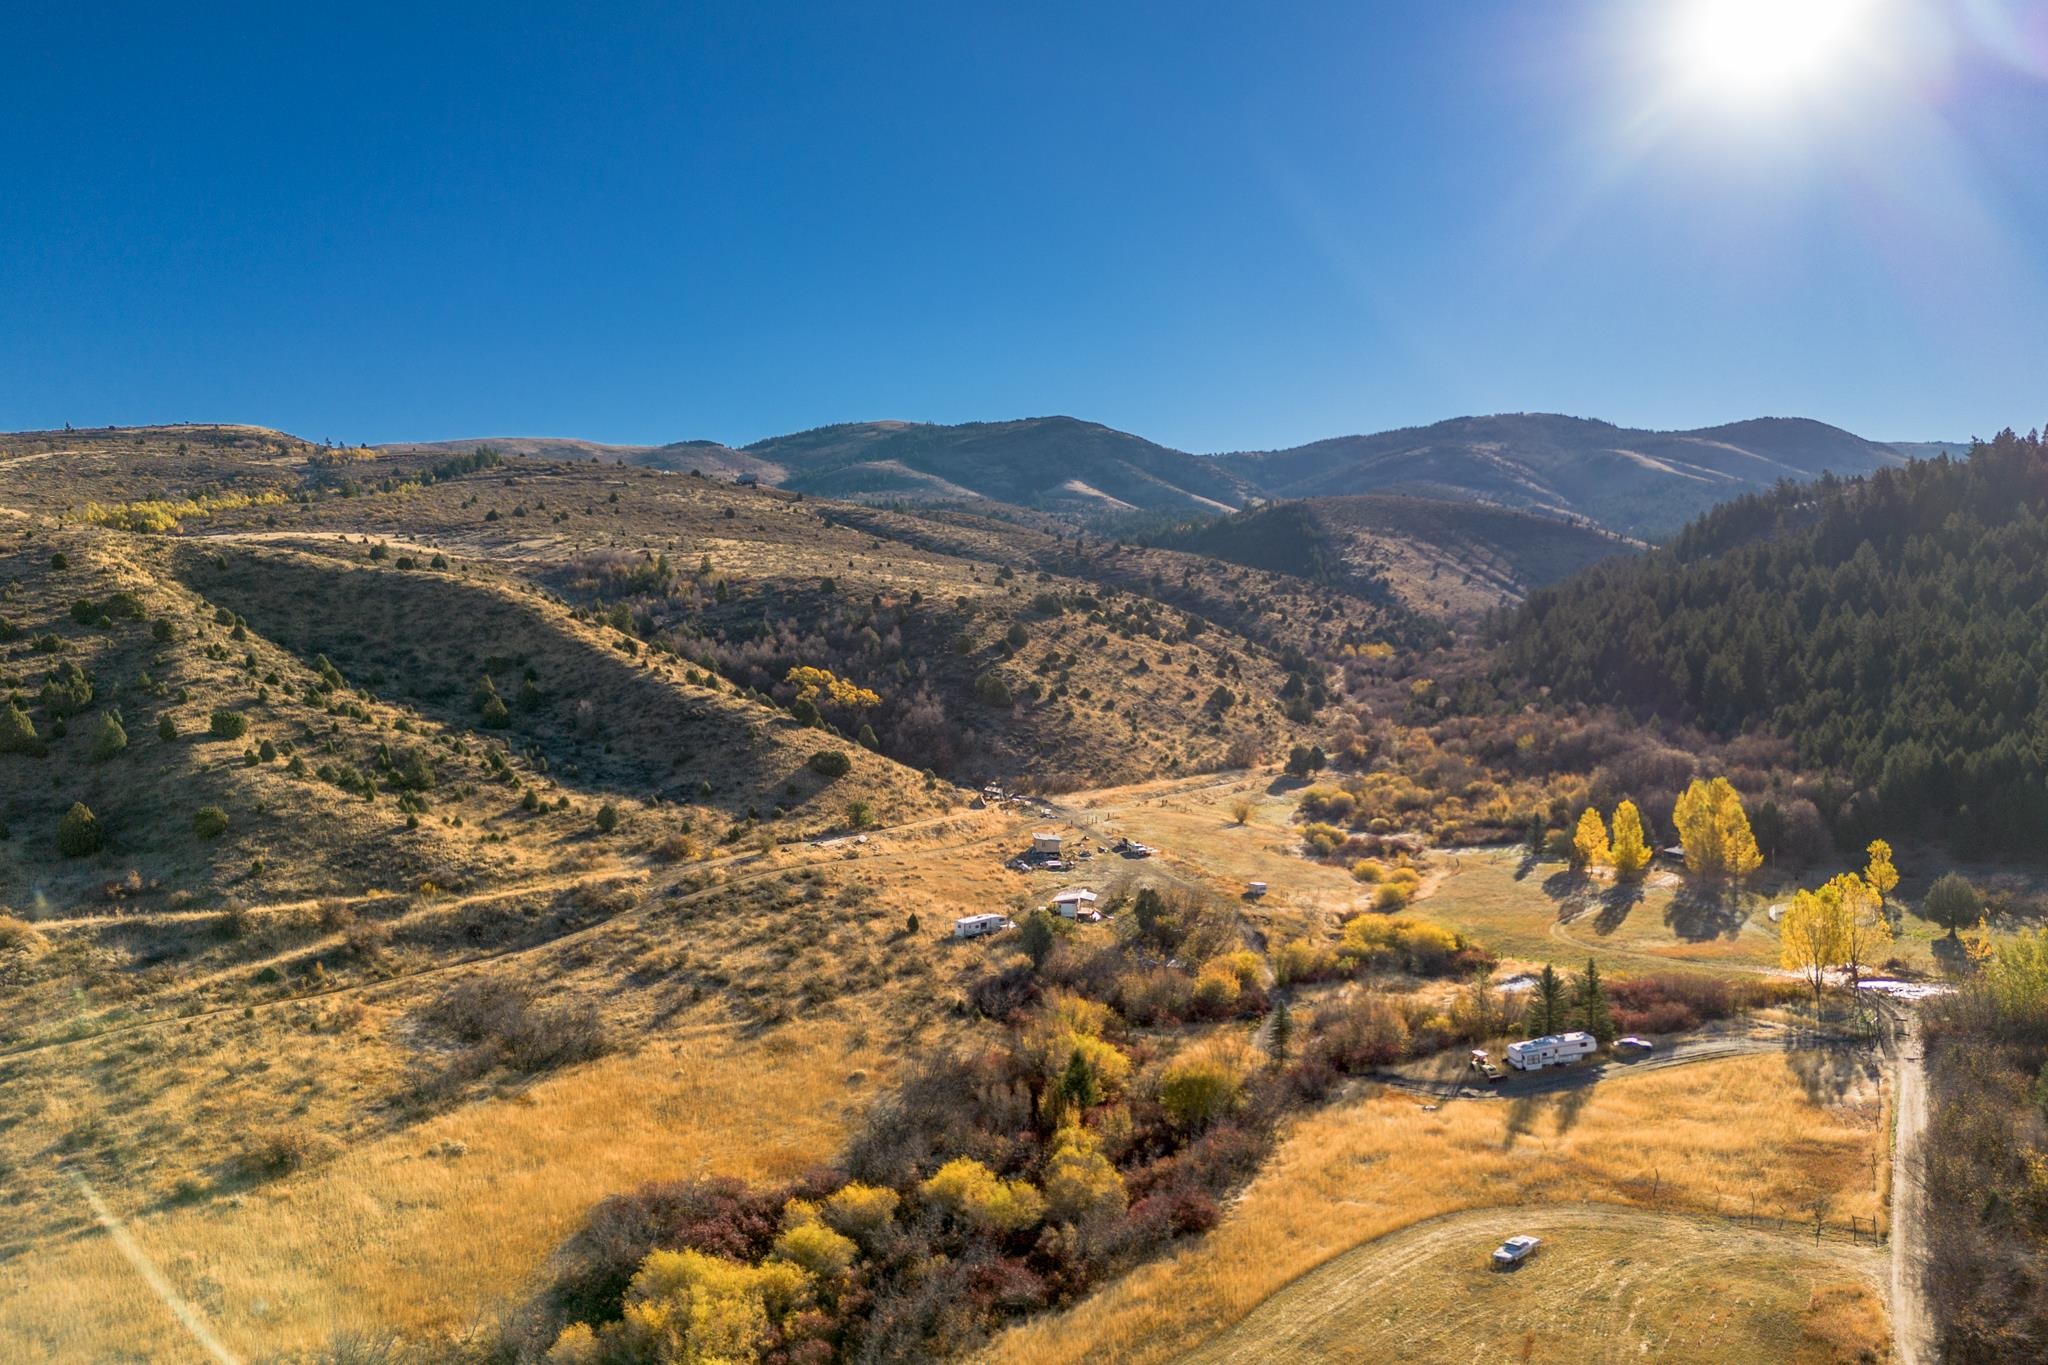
(1633, 482)
(681, 457)
(1056, 464)
(1644, 483)
(1431, 556)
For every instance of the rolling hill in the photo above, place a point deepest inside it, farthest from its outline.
(1633, 482)
(1428, 555)
(1640, 483)
(1057, 464)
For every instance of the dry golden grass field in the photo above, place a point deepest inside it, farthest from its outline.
(1725, 1138)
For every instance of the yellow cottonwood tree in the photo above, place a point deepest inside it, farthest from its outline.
(1810, 938)
(1881, 875)
(1865, 930)
(821, 686)
(1714, 830)
(1589, 845)
(1080, 1183)
(976, 1195)
(1630, 853)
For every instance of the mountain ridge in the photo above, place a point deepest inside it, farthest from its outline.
(1636, 482)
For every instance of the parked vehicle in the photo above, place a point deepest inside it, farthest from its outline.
(1631, 1043)
(1514, 1251)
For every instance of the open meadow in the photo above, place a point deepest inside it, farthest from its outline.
(1729, 1139)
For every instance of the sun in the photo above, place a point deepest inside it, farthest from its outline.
(1748, 50)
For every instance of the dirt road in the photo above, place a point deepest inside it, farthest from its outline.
(1521, 1085)
(1912, 1318)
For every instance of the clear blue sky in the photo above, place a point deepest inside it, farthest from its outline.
(1221, 226)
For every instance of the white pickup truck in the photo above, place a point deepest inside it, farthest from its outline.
(1514, 1251)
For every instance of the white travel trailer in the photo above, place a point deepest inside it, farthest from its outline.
(1552, 1050)
(974, 926)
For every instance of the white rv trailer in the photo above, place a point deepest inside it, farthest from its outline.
(974, 926)
(1551, 1050)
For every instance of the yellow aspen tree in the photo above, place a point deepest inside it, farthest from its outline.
(1629, 852)
(1864, 929)
(1699, 833)
(1739, 853)
(1589, 845)
(1881, 875)
(1810, 938)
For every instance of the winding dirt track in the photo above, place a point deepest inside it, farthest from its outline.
(1611, 1283)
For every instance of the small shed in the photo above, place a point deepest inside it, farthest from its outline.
(1256, 890)
(1074, 904)
(1046, 845)
(748, 480)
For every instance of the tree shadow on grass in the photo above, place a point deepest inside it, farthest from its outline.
(1951, 956)
(1522, 1112)
(1615, 903)
(1574, 892)
(1704, 910)
(1570, 1104)
(1828, 1073)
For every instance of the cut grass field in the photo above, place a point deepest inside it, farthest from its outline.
(1750, 1134)
(1608, 1284)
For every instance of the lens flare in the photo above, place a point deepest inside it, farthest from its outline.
(1745, 50)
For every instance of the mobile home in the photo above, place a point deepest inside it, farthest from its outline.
(1553, 1050)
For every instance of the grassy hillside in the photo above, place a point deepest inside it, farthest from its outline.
(1639, 483)
(1432, 557)
(1081, 469)
(680, 457)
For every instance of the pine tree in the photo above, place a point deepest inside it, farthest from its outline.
(1630, 853)
(1589, 845)
(1548, 1015)
(1077, 1082)
(17, 732)
(1539, 828)
(1282, 1030)
(111, 739)
(1589, 1003)
(1952, 902)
